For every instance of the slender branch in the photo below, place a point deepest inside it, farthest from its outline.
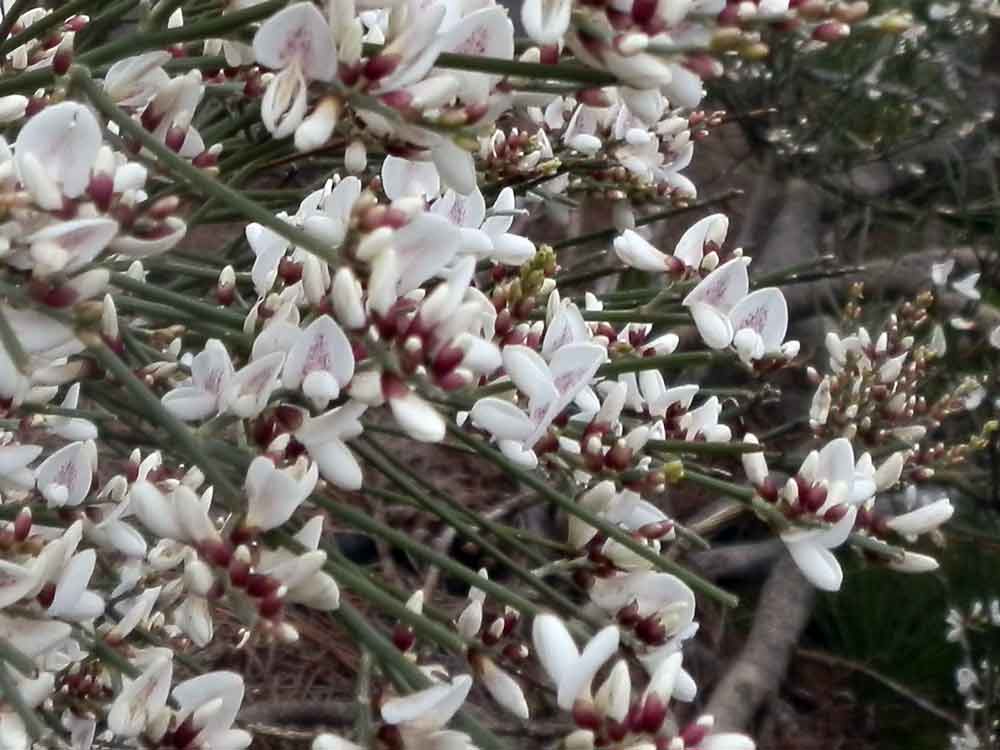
(589, 517)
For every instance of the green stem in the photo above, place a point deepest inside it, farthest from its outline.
(44, 24)
(12, 15)
(573, 508)
(12, 344)
(16, 658)
(8, 690)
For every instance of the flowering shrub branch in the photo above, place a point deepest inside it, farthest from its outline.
(180, 424)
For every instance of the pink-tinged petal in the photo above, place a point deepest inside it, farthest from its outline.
(82, 239)
(402, 178)
(64, 478)
(723, 287)
(554, 647)
(765, 312)
(691, 246)
(636, 252)
(65, 138)
(428, 709)
(818, 565)
(546, 21)
(423, 248)
(462, 211)
(489, 32)
(576, 682)
(418, 47)
(300, 35)
(502, 419)
(323, 346)
(455, 165)
(713, 326)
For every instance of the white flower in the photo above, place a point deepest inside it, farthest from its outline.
(571, 670)
(550, 387)
(421, 716)
(811, 551)
(201, 396)
(297, 42)
(64, 478)
(212, 701)
(273, 494)
(324, 437)
(54, 153)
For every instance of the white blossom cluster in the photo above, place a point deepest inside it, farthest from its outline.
(399, 296)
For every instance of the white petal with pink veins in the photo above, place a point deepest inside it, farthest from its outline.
(322, 346)
(462, 211)
(487, 32)
(765, 312)
(64, 477)
(300, 35)
(723, 287)
(65, 138)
